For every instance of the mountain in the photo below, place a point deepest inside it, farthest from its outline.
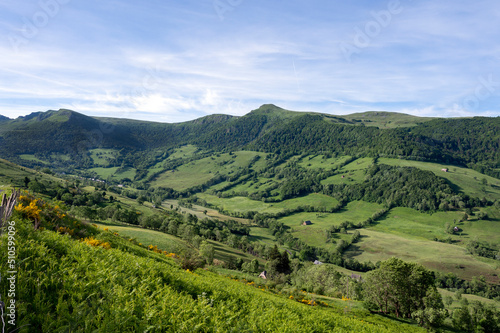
(267, 129)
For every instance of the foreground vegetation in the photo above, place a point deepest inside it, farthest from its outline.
(73, 277)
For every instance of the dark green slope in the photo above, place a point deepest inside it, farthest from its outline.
(467, 141)
(61, 131)
(473, 140)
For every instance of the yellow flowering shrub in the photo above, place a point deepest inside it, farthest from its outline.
(95, 242)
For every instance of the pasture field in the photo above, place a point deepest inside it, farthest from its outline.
(261, 235)
(378, 246)
(200, 171)
(251, 186)
(351, 173)
(12, 174)
(351, 177)
(147, 237)
(382, 119)
(465, 180)
(103, 157)
(61, 157)
(199, 212)
(170, 243)
(224, 252)
(31, 157)
(183, 152)
(408, 222)
(244, 204)
(115, 173)
(358, 164)
(456, 303)
(354, 211)
(322, 162)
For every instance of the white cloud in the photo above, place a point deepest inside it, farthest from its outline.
(141, 63)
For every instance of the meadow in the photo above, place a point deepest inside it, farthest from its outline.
(378, 246)
(464, 180)
(244, 204)
(199, 171)
(103, 157)
(322, 162)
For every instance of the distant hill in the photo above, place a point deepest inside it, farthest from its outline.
(384, 119)
(268, 129)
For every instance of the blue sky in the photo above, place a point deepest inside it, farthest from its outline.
(174, 61)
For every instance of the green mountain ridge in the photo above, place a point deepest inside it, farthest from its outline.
(267, 129)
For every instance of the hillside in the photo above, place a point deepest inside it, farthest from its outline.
(73, 276)
(58, 136)
(246, 205)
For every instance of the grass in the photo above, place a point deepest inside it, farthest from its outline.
(378, 246)
(114, 173)
(456, 303)
(170, 243)
(199, 212)
(408, 222)
(321, 162)
(386, 119)
(353, 172)
(130, 289)
(252, 186)
(314, 234)
(352, 177)
(200, 171)
(244, 204)
(147, 237)
(31, 157)
(355, 211)
(224, 252)
(465, 180)
(103, 157)
(12, 174)
(183, 152)
(359, 164)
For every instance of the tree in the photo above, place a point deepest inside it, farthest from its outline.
(141, 199)
(207, 252)
(26, 181)
(401, 288)
(433, 313)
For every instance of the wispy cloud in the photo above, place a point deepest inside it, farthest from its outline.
(171, 61)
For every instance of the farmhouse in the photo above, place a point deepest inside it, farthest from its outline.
(307, 223)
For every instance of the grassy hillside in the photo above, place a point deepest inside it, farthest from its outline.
(465, 180)
(86, 141)
(70, 285)
(385, 119)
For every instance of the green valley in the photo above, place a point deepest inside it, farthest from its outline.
(329, 206)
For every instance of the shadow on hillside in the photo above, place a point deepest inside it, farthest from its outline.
(454, 186)
(353, 251)
(114, 224)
